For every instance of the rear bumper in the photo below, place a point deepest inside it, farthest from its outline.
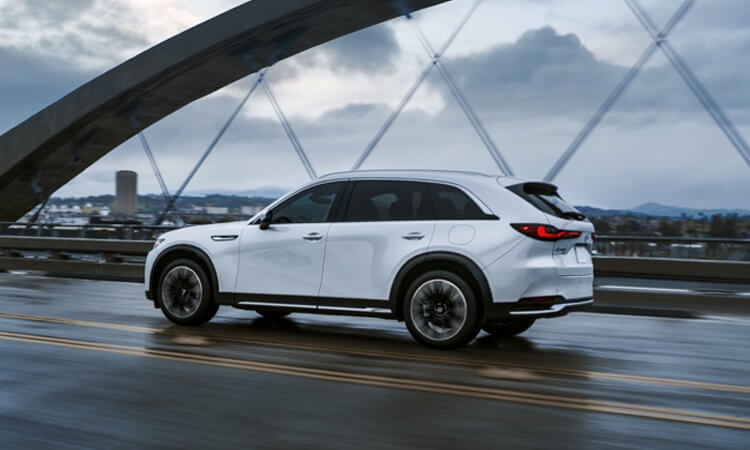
(537, 310)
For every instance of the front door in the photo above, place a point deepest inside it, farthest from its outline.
(284, 263)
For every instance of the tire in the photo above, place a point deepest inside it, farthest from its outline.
(508, 328)
(185, 294)
(271, 314)
(441, 311)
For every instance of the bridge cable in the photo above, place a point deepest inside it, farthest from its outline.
(149, 154)
(211, 147)
(288, 130)
(698, 89)
(471, 115)
(413, 89)
(154, 166)
(616, 93)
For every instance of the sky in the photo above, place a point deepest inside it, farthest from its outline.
(534, 71)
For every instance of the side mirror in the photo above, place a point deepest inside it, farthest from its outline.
(265, 221)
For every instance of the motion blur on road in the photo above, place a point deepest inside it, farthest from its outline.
(89, 364)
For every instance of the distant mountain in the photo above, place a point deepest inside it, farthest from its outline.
(590, 211)
(272, 192)
(658, 210)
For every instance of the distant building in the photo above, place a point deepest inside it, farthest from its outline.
(216, 210)
(126, 192)
(251, 210)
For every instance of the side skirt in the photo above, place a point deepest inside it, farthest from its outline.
(315, 305)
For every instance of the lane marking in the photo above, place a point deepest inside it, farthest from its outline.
(466, 362)
(477, 392)
(646, 289)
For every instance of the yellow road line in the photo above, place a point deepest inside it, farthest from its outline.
(457, 360)
(477, 392)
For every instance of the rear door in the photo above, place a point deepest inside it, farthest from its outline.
(384, 224)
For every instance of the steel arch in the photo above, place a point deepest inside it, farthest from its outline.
(47, 150)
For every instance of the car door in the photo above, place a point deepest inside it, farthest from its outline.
(385, 223)
(284, 263)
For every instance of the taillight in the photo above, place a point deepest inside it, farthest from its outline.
(544, 232)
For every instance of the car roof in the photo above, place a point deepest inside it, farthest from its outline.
(432, 175)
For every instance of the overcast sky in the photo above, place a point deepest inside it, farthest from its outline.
(534, 71)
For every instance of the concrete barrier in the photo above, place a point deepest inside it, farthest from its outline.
(673, 269)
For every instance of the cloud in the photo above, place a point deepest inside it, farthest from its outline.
(93, 34)
(542, 73)
(533, 91)
(29, 83)
(547, 74)
(43, 12)
(372, 50)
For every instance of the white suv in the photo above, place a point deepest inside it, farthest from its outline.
(446, 252)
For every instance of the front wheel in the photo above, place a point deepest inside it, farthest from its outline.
(185, 293)
(508, 328)
(440, 310)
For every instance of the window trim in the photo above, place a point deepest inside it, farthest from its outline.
(346, 198)
(295, 195)
(479, 204)
(340, 218)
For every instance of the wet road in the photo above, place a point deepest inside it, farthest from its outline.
(89, 364)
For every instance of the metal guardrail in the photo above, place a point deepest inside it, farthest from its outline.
(121, 257)
(100, 258)
(122, 260)
(87, 231)
(605, 245)
(674, 247)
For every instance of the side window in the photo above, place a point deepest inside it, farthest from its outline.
(373, 201)
(310, 206)
(453, 204)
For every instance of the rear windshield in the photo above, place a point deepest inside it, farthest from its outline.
(546, 199)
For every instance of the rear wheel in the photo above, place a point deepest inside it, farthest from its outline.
(185, 293)
(440, 310)
(508, 327)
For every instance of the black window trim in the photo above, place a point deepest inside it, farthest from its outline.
(340, 218)
(523, 190)
(469, 195)
(346, 197)
(332, 214)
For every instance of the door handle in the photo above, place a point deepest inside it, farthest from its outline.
(413, 236)
(224, 237)
(313, 237)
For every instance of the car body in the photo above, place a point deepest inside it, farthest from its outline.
(448, 252)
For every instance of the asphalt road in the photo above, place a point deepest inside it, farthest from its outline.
(89, 364)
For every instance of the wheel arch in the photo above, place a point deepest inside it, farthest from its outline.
(187, 252)
(454, 262)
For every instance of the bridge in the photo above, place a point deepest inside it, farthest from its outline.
(86, 362)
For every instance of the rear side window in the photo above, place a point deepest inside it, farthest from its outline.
(373, 201)
(546, 199)
(453, 204)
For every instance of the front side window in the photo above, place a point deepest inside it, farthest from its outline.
(310, 206)
(373, 201)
